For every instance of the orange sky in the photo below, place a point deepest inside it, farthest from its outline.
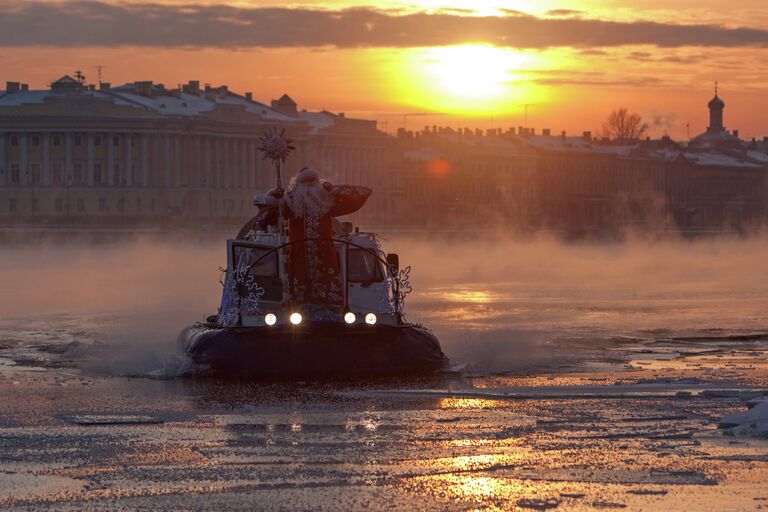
(471, 63)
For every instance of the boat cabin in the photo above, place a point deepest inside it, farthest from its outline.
(257, 274)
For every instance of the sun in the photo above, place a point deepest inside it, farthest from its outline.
(465, 79)
(471, 72)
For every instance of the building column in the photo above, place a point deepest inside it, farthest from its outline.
(234, 152)
(178, 161)
(144, 159)
(89, 165)
(216, 182)
(157, 179)
(196, 183)
(68, 167)
(111, 181)
(45, 179)
(249, 163)
(23, 171)
(128, 160)
(167, 167)
(2, 158)
(207, 172)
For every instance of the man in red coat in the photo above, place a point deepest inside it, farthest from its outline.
(310, 205)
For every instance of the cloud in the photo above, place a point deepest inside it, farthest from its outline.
(98, 23)
(559, 77)
(563, 13)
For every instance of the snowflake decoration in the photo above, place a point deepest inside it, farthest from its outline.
(275, 145)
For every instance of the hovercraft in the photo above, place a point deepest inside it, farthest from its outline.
(264, 329)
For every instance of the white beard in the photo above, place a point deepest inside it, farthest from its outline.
(308, 200)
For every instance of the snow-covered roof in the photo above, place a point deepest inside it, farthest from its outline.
(718, 159)
(575, 144)
(317, 120)
(186, 104)
(18, 98)
(160, 101)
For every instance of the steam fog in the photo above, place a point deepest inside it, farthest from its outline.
(502, 304)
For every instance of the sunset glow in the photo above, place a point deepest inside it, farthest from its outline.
(479, 63)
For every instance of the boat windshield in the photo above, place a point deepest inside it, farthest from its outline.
(251, 262)
(363, 267)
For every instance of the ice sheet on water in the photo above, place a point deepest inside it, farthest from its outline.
(111, 419)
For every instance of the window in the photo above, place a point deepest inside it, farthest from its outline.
(15, 173)
(116, 141)
(14, 140)
(78, 140)
(34, 174)
(258, 264)
(97, 174)
(119, 178)
(57, 173)
(77, 174)
(80, 204)
(56, 139)
(363, 267)
(35, 140)
(97, 140)
(135, 175)
(138, 204)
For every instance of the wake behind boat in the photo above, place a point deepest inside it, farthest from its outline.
(305, 294)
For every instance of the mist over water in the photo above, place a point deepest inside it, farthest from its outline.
(503, 304)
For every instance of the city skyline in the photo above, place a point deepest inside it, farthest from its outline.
(477, 65)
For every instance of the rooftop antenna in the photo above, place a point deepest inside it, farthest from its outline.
(98, 69)
(715, 87)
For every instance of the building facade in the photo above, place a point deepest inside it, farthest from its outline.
(136, 153)
(143, 154)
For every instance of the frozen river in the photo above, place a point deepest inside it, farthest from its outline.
(588, 377)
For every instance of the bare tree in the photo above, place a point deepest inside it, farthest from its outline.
(623, 125)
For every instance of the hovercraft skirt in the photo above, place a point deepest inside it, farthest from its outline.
(324, 348)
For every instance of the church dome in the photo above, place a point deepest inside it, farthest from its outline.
(716, 103)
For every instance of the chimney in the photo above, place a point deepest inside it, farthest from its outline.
(587, 136)
(249, 96)
(144, 87)
(12, 86)
(105, 86)
(546, 132)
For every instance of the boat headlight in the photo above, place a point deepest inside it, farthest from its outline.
(370, 319)
(270, 319)
(295, 318)
(350, 317)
